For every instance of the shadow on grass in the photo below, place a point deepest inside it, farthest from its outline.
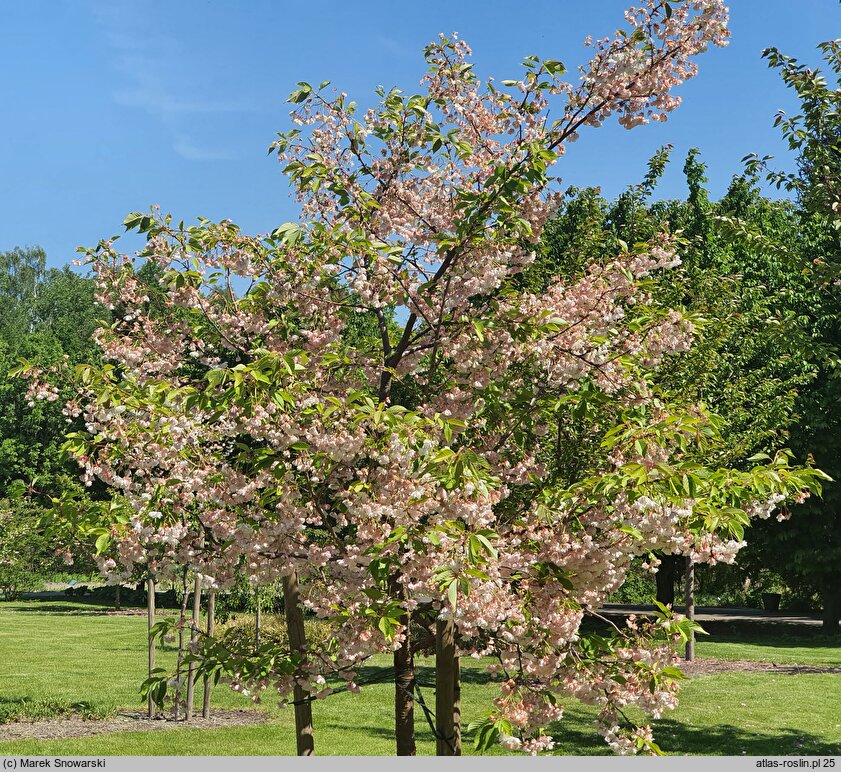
(422, 733)
(28, 701)
(425, 675)
(28, 708)
(14, 700)
(577, 734)
(95, 610)
(728, 740)
(758, 632)
(70, 606)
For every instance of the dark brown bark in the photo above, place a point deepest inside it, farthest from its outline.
(665, 578)
(298, 644)
(457, 709)
(447, 690)
(690, 606)
(404, 691)
(117, 598)
(831, 600)
(211, 625)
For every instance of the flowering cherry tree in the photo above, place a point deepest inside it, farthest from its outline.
(364, 399)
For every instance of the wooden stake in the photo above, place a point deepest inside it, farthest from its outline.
(180, 659)
(194, 632)
(211, 624)
(690, 606)
(150, 621)
(257, 620)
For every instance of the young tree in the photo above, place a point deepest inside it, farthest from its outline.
(400, 477)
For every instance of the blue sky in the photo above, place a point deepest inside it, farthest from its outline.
(112, 106)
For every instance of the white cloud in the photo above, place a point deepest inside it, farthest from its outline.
(393, 47)
(156, 79)
(187, 148)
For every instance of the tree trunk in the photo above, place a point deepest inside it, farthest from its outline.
(447, 690)
(690, 606)
(404, 691)
(665, 579)
(457, 710)
(194, 631)
(150, 621)
(831, 599)
(117, 598)
(298, 644)
(211, 625)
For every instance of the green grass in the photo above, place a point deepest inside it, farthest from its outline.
(757, 714)
(782, 648)
(60, 654)
(75, 652)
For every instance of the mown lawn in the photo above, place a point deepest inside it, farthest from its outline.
(813, 648)
(61, 651)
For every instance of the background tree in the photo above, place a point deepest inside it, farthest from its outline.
(765, 276)
(25, 551)
(808, 547)
(48, 314)
(753, 355)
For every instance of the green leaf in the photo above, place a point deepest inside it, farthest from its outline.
(133, 220)
(16, 489)
(489, 548)
(452, 593)
(554, 67)
(629, 529)
(760, 457)
(387, 628)
(102, 542)
(301, 95)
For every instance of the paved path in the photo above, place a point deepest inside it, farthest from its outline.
(711, 614)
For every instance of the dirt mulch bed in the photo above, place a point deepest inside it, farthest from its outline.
(706, 666)
(59, 729)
